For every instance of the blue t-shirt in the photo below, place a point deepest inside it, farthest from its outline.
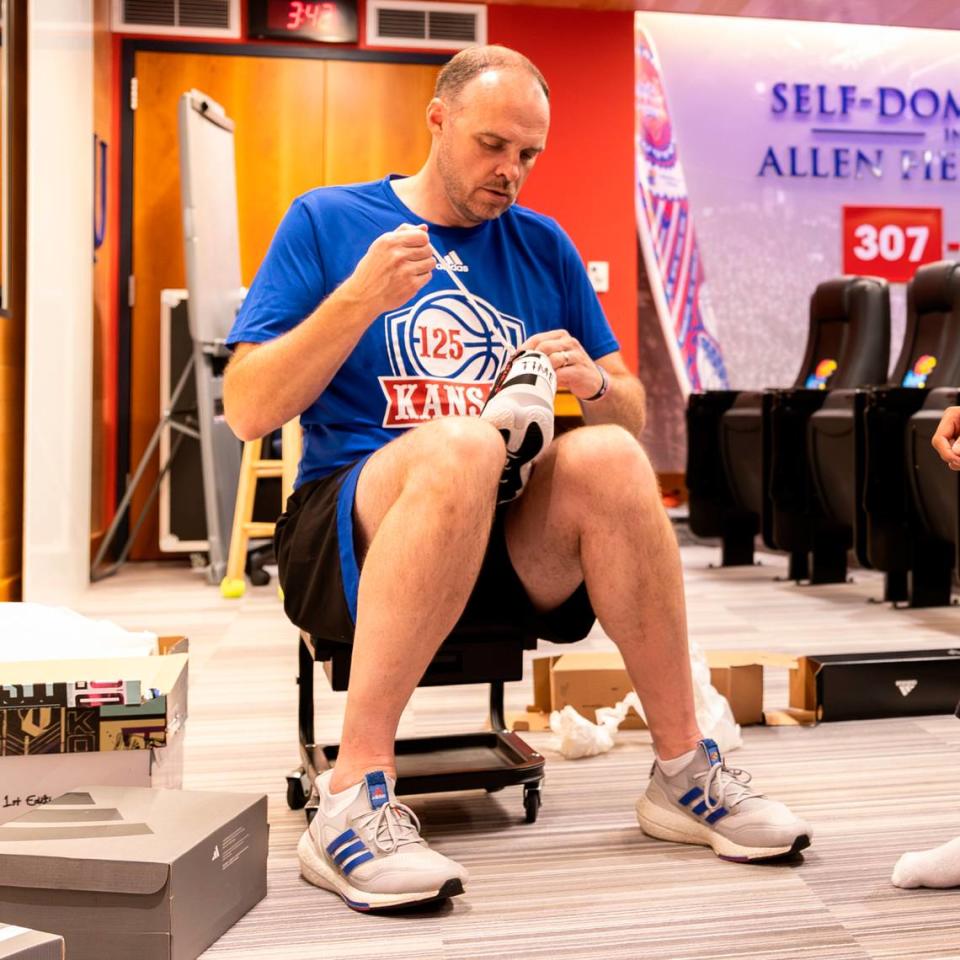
(434, 356)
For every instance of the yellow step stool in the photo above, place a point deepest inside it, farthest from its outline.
(253, 468)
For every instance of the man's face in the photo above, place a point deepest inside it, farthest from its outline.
(488, 142)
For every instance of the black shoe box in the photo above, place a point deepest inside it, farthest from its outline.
(867, 686)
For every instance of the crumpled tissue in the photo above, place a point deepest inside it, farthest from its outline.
(577, 737)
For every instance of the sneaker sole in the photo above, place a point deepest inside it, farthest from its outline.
(315, 869)
(667, 825)
(538, 424)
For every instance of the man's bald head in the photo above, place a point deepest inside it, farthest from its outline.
(472, 62)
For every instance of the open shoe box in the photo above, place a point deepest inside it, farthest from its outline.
(96, 704)
(591, 679)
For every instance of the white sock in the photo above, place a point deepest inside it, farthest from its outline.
(939, 867)
(672, 767)
(335, 803)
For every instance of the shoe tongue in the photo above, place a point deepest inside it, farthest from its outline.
(378, 788)
(711, 752)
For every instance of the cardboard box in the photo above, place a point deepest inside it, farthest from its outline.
(739, 676)
(33, 781)
(80, 706)
(589, 680)
(864, 686)
(19, 943)
(122, 872)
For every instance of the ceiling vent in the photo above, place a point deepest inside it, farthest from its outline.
(190, 18)
(432, 26)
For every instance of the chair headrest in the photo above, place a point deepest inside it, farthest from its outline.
(936, 287)
(831, 299)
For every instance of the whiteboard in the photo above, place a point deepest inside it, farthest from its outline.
(208, 187)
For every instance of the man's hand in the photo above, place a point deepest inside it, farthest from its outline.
(576, 372)
(396, 265)
(946, 437)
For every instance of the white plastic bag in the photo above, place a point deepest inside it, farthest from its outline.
(714, 716)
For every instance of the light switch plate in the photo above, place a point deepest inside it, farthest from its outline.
(599, 271)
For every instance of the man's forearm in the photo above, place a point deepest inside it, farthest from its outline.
(624, 403)
(274, 382)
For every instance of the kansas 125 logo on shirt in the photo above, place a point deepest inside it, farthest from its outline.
(444, 355)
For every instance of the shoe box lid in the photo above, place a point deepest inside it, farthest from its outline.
(20, 943)
(112, 869)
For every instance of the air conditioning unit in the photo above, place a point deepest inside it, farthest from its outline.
(178, 18)
(432, 26)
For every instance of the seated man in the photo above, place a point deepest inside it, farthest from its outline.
(394, 531)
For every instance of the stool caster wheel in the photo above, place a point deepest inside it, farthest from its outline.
(297, 790)
(311, 812)
(532, 801)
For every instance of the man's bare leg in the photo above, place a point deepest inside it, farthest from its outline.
(422, 514)
(592, 512)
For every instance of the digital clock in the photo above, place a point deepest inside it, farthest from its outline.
(333, 21)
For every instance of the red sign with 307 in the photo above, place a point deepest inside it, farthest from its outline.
(891, 242)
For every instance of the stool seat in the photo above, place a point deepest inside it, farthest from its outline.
(471, 655)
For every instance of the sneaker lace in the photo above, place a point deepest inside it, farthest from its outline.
(725, 786)
(391, 826)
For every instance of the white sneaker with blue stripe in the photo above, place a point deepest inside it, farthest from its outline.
(367, 847)
(712, 804)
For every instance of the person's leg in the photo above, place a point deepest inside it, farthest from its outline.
(592, 512)
(422, 515)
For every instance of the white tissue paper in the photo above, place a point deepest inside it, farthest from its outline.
(577, 737)
(33, 631)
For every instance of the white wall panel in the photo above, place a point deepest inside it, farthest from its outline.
(59, 300)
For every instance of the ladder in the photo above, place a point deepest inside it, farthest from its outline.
(254, 467)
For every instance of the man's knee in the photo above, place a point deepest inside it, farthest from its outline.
(607, 461)
(459, 454)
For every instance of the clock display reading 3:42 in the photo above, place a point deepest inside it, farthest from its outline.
(333, 21)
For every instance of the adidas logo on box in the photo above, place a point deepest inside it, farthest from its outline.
(906, 687)
(455, 263)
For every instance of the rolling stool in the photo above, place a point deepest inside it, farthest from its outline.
(486, 760)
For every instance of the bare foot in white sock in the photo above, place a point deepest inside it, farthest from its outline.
(939, 867)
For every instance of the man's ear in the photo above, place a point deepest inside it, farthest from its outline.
(437, 115)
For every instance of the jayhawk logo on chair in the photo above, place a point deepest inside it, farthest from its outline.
(444, 357)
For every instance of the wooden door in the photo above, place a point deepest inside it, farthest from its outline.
(376, 119)
(299, 124)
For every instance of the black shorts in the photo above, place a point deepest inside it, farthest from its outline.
(319, 572)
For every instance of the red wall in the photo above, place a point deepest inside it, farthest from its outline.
(585, 176)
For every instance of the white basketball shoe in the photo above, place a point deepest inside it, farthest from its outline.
(520, 406)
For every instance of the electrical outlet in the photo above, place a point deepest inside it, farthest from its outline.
(599, 271)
